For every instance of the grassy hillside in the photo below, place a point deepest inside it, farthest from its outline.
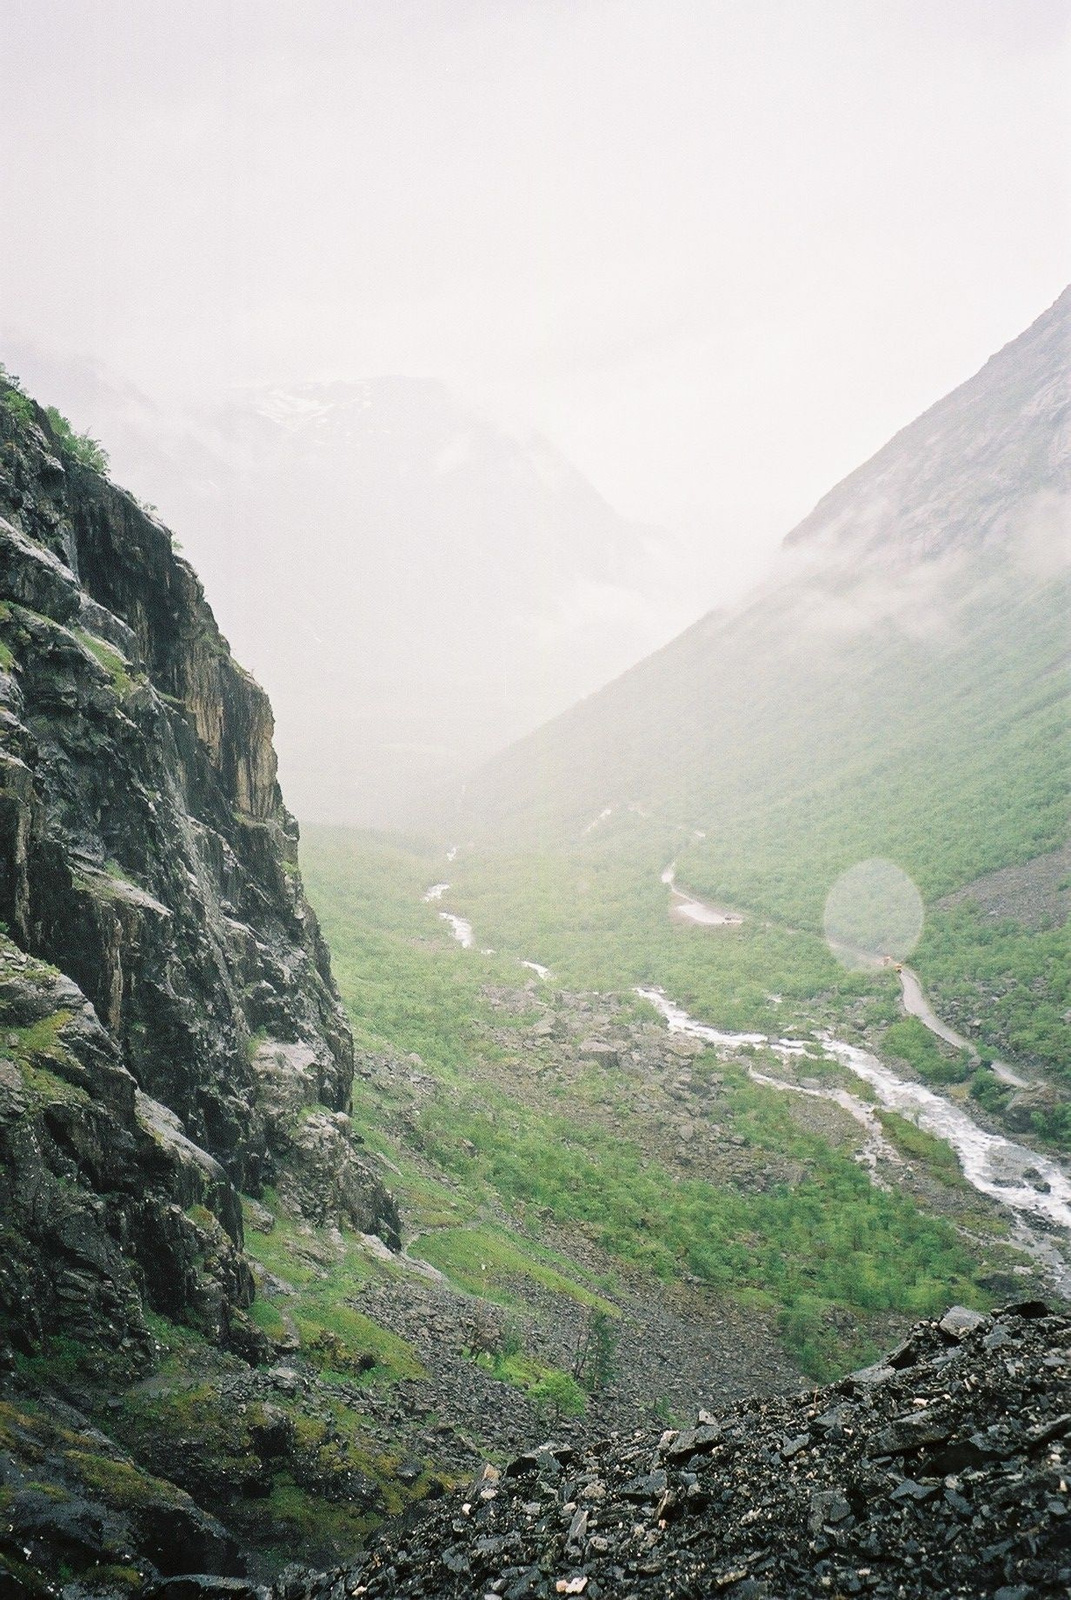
(950, 760)
(949, 755)
(898, 689)
(812, 1243)
(797, 755)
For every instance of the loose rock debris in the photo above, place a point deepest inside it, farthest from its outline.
(941, 1471)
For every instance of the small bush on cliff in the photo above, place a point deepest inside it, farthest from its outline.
(80, 447)
(13, 398)
(17, 404)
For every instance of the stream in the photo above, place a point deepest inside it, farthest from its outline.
(459, 927)
(1029, 1184)
(691, 909)
(1008, 1172)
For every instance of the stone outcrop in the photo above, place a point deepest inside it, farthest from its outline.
(74, 1501)
(322, 1176)
(173, 1031)
(106, 1208)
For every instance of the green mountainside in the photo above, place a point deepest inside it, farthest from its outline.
(898, 688)
(546, 1104)
(225, 1343)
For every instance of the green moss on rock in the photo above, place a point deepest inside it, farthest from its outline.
(121, 1484)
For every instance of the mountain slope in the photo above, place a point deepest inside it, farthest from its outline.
(414, 585)
(897, 688)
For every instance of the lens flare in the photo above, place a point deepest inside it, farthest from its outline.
(873, 915)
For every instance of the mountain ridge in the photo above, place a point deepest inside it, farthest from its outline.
(1044, 416)
(848, 646)
(468, 580)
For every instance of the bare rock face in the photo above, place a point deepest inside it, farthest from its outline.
(106, 1208)
(73, 1498)
(325, 1179)
(322, 1175)
(176, 1033)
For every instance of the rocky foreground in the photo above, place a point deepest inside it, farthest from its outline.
(941, 1471)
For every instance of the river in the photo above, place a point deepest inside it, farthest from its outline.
(1032, 1186)
(991, 1163)
(690, 908)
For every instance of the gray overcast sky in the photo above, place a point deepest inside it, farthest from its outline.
(718, 250)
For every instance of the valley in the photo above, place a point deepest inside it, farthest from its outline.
(701, 1140)
(342, 1167)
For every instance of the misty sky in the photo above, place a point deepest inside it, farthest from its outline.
(717, 250)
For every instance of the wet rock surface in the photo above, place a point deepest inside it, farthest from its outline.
(71, 1500)
(942, 1471)
(145, 850)
(107, 1210)
(170, 1031)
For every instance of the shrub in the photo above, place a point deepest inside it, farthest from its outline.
(911, 1041)
(80, 447)
(13, 397)
(595, 1363)
(990, 1093)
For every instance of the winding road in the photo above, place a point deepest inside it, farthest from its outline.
(916, 1005)
(689, 908)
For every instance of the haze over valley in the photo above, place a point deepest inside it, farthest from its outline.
(535, 759)
(414, 585)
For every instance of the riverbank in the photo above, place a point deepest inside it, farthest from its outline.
(1033, 1187)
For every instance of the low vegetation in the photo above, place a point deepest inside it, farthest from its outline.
(1009, 986)
(910, 1041)
(917, 1145)
(78, 447)
(830, 1254)
(832, 1242)
(110, 659)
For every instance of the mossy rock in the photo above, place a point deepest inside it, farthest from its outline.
(122, 1485)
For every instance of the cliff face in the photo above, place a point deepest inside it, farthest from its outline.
(173, 1033)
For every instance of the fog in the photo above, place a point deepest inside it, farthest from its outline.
(473, 350)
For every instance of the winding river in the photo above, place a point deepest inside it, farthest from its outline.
(1031, 1185)
(691, 909)
(1008, 1172)
(459, 927)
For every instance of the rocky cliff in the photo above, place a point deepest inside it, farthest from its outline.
(170, 1032)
